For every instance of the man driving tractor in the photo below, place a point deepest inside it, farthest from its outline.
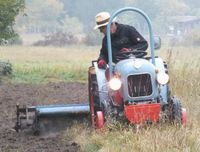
(124, 38)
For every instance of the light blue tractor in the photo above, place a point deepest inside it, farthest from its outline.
(138, 89)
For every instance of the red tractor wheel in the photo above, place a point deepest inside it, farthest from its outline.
(184, 117)
(99, 120)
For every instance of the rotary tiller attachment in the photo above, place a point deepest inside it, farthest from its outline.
(32, 115)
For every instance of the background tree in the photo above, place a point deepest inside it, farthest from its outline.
(194, 5)
(41, 16)
(168, 9)
(86, 10)
(9, 9)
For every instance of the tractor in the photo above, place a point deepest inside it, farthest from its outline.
(137, 90)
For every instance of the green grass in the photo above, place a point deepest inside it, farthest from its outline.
(156, 138)
(41, 65)
(39, 73)
(184, 71)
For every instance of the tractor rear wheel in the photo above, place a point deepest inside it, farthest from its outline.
(179, 115)
(176, 111)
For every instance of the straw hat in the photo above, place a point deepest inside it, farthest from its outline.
(101, 19)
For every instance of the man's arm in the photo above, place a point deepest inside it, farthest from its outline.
(103, 52)
(139, 43)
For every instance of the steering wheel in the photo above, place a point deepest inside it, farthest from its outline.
(136, 53)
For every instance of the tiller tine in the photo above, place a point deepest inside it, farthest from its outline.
(29, 116)
(25, 116)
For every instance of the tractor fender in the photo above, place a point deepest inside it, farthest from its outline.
(102, 85)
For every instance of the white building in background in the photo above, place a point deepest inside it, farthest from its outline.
(183, 24)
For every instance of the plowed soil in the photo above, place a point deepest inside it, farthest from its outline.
(28, 94)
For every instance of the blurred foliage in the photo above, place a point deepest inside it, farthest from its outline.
(191, 39)
(40, 16)
(9, 9)
(194, 4)
(76, 18)
(155, 9)
(5, 68)
(194, 36)
(93, 38)
(57, 39)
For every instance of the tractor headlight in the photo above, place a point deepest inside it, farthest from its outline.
(115, 84)
(162, 78)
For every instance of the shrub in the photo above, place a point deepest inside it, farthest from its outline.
(57, 39)
(15, 40)
(5, 68)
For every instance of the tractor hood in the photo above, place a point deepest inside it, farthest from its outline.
(138, 77)
(136, 65)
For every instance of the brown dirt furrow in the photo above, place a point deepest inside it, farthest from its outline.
(29, 94)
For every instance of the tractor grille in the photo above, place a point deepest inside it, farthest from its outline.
(139, 85)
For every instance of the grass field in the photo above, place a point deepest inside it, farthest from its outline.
(40, 65)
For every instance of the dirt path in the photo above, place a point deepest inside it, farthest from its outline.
(52, 93)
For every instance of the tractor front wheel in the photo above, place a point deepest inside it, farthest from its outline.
(99, 120)
(184, 117)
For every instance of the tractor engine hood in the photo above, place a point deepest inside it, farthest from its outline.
(138, 77)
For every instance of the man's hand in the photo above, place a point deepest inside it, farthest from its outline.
(124, 50)
(102, 64)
